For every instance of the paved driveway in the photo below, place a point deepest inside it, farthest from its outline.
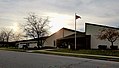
(9, 59)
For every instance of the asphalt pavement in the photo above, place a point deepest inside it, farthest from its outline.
(10, 59)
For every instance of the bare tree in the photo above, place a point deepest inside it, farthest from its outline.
(6, 34)
(108, 33)
(2, 36)
(17, 36)
(36, 27)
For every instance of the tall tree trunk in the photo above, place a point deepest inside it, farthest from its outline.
(38, 42)
(112, 44)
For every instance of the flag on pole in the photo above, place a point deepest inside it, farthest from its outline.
(78, 17)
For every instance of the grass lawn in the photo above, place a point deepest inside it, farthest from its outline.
(107, 54)
(92, 52)
(12, 49)
(68, 52)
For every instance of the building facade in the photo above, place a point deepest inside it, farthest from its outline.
(51, 40)
(64, 38)
(93, 30)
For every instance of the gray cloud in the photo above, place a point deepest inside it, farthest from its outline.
(100, 11)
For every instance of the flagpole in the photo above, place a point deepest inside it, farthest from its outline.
(75, 31)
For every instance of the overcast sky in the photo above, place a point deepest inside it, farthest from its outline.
(60, 12)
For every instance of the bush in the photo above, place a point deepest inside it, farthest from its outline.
(114, 47)
(103, 47)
